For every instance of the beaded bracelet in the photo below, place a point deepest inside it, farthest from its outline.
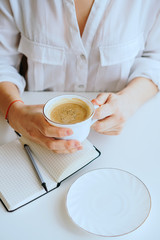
(10, 107)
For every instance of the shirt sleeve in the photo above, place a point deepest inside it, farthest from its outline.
(9, 40)
(148, 65)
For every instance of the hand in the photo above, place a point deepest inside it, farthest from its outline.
(115, 109)
(29, 121)
(113, 112)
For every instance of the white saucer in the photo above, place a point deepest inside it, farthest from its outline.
(108, 202)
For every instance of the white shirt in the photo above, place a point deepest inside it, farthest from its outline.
(121, 41)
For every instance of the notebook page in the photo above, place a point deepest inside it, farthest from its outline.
(6, 131)
(78, 160)
(60, 166)
(18, 180)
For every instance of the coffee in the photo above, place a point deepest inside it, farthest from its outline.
(70, 112)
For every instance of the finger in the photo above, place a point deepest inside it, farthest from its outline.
(51, 131)
(51, 143)
(116, 132)
(62, 145)
(56, 132)
(66, 151)
(104, 111)
(106, 124)
(101, 98)
(112, 131)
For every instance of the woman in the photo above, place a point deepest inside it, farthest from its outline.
(106, 46)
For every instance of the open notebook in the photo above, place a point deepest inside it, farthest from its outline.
(19, 183)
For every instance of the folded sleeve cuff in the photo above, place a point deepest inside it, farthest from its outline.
(11, 75)
(147, 68)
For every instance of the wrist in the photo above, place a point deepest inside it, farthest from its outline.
(129, 101)
(12, 109)
(140, 90)
(137, 92)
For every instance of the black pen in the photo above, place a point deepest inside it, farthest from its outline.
(28, 151)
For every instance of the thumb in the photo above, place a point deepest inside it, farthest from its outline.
(101, 99)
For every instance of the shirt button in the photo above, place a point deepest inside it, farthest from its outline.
(83, 57)
(81, 86)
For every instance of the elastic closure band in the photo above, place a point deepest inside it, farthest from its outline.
(10, 107)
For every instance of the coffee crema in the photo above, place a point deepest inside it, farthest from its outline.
(70, 112)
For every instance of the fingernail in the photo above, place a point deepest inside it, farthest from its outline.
(77, 145)
(94, 101)
(69, 132)
(80, 148)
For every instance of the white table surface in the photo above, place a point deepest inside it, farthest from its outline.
(136, 149)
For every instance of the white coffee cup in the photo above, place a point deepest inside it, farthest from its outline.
(80, 129)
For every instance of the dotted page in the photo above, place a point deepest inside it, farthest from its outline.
(18, 180)
(60, 166)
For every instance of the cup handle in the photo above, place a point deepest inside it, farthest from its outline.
(94, 120)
